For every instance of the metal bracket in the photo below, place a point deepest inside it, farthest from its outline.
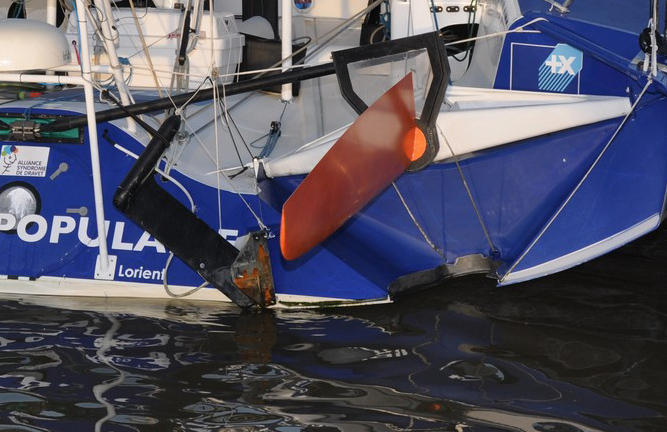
(111, 268)
(562, 8)
(251, 271)
(192, 240)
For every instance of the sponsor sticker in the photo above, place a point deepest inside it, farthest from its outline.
(24, 161)
(559, 68)
(546, 68)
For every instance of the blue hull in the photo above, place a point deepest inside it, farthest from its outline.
(517, 190)
(524, 210)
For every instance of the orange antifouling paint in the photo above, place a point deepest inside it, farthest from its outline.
(372, 153)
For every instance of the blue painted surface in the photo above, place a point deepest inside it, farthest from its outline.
(607, 54)
(517, 189)
(626, 15)
(71, 254)
(626, 187)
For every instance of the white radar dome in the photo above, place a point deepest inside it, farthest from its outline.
(28, 44)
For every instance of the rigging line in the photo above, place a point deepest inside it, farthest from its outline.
(148, 128)
(260, 71)
(223, 107)
(435, 16)
(177, 110)
(257, 140)
(274, 135)
(196, 92)
(414, 220)
(151, 68)
(333, 33)
(165, 71)
(469, 192)
(379, 29)
(519, 29)
(238, 130)
(224, 97)
(194, 134)
(280, 119)
(145, 12)
(581, 182)
(165, 284)
(326, 39)
(95, 20)
(185, 34)
(230, 122)
(226, 177)
(145, 48)
(233, 122)
(409, 22)
(216, 97)
(472, 17)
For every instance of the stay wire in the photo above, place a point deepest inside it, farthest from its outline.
(470, 196)
(260, 223)
(230, 123)
(216, 97)
(417, 224)
(581, 182)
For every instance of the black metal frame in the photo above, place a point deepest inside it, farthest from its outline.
(437, 55)
(151, 207)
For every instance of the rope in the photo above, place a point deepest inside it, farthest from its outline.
(500, 33)
(332, 34)
(169, 292)
(145, 48)
(274, 135)
(435, 15)
(581, 182)
(229, 181)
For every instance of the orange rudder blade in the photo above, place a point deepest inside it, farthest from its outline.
(372, 153)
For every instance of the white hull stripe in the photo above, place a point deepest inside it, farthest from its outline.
(67, 287)
(582, 255)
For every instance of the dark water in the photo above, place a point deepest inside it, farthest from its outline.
(580, 351)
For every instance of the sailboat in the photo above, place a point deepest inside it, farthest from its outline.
(317, 153)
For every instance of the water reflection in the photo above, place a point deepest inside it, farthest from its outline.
(566, 354)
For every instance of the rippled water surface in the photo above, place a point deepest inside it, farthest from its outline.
(581, 351)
